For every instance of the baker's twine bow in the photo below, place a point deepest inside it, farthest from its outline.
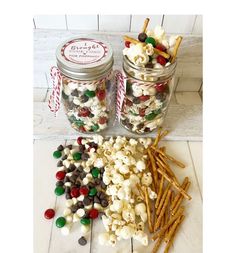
(55, 97)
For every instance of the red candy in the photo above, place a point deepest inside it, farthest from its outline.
(160, 47)
(60, 175)
(84, 112)
(101, 94)
(144, 98)
(75, 192)
(102, 120)
(160, 59)
(49, 214)
(142, 112)
(83, 191)
(127, 43)
(82, 129)
(160, 87)
(128, 102)
(93, 213)
(79, 140)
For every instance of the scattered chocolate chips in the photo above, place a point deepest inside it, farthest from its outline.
(68, 196)
(74, 208)
(86, 201)
(59, 183)
(84, 99)
(74, 93)
(103, 185)
(93, 145)
(81, 148)
(66, 179)
(70, 146)
(82, 175)
(97, 181)
(80, 204)
(142, 37)
(72, 167)
(96, 200)
(80, 169)
(60, 148)
(67, 189)
(136, 100)
(60, 164)
(64, 157)
(85, 156)
(149, 65)
(90, 185)
(82, 241)
(104, 203)
(73, 179)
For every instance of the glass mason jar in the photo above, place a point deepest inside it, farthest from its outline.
(86, 65)
(147, 96)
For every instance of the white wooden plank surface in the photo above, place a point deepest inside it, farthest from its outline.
(189, 84)
(39, 94)
(82, 22)
(46, 42)
(137, 22)
(44, 197)
(183, 121)
(198, 26)
(178, 23)
(50, 21)
(188, 98)
(118, 23)
(196, 153)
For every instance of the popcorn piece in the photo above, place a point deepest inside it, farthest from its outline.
(140, 208)
(127, 232)
(112, 240)
(140, 165)
(147, 179)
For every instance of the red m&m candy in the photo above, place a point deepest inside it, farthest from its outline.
(160, 59)
(101, 94)
(49, 214)
(142, 112)
(74, 192)
(83, 191)
(160, 47)
(127, 44)
(79, 140)
(84, 112)
(60, 175)
(93, 213)
(102, 120)
(82, 129)
(144, 98)
(160, 87)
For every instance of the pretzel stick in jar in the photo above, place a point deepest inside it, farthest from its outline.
(176, 47)
(146, 22)
(157, 137)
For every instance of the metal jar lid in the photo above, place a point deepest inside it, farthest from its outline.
(84, 58)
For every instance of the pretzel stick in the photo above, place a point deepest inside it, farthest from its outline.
(163, 134)
(140, 191)
(159, 192)
(166, 167)
(174, 226)
(163, 149)
(146, 22)
(176, 199)
(154, 169)
(157, 245)
(134, 41)
(177, 44)
(157, 137)
(162, 200)
(148, 209)
(162, 210)
(173, 183)
(180, 200)
(170, 222)
(178, 163)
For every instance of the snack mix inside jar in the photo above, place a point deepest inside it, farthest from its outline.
(87, 92)
(149, 65)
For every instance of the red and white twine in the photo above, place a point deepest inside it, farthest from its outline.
(55, 97)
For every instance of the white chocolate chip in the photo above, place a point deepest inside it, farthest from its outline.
(85, 229)
(80, 212)
(69, 202)
(69, 218)
(67, 211)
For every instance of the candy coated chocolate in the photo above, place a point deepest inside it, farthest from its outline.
(150, 40)
(83, 191)
(77, 156)
(75, 192)
(82, 241)
(49, 214)
(89, 93)
(57, 154)
(95, 172)
(60, 222)
(59, 191)
(142, 37)
(85, 221)
(93, 213)
(92, 192)
(60, 175)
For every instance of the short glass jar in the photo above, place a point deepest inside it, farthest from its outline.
(147, 96)
(88, 95)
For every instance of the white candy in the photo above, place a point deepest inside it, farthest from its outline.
(80, 198)
(75, 218)
(67, 211)
(65, 230)
(140, 165)
(68, 184)
(146, 179)
(140, 208)
(103, 238)
(66, 151)
(69, 202)
(88, 207)
(66, 163)
(69, 218)
(99, 163)
(85, 181)
(74, 201)
(98, 206)
(80, 212)
(87, 169)
(85, 229)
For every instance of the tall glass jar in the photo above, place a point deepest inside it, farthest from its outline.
(86, 65)
(147, 96)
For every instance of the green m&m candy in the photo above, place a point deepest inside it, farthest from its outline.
(89, 93)
(59, 190)
(95, 127)
(151, 40)
(57, 154)
(150, 116)
(77, 156)
(95, 172)
(85, 221)
(60, 222)
(92, 192)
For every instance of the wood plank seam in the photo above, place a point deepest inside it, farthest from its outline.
(194, 169)
(98, 22)
(162, 20)
(130, 23)
(66, 22)
(194, 23)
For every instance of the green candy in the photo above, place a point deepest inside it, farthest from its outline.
(59, 190)
(92, 192)
(60, 222)
(128, 86)
(77, 156)
(150, 116)
(151, 40)
(95, 127)
(85, 221)
(64, 96)
(95, 172)
(57, 154)
(79, 123)
(89, 93)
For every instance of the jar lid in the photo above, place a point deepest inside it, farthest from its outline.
(84, 58)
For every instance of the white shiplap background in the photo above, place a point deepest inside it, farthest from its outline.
(49, 30)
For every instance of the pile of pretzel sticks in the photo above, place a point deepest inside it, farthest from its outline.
(167, 213)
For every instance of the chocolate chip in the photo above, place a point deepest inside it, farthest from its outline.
(161, 96)
(78, 182)
(82, 241)
(68, 196)
(93, 145)
(136, 100)
(104, 203)
(147, 129)
(67, 189)
(66, 179)
(102, 170)
(141, 125)
(70, 146)
(82, 175)
(59, 183)
(85, 156)
(80, 204)
(86, 201)
(60, 148)
(96, 200)
(90, 185)
(149, 65)
(103, 185)
(102, 195)
(72, 167)
(74, 93)
(60, 164)
(84, 99)
(74, 208)
(80, 169)
(81, 148)
(97, 181)
(64, 157)
(142, 37)
(73, 179)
